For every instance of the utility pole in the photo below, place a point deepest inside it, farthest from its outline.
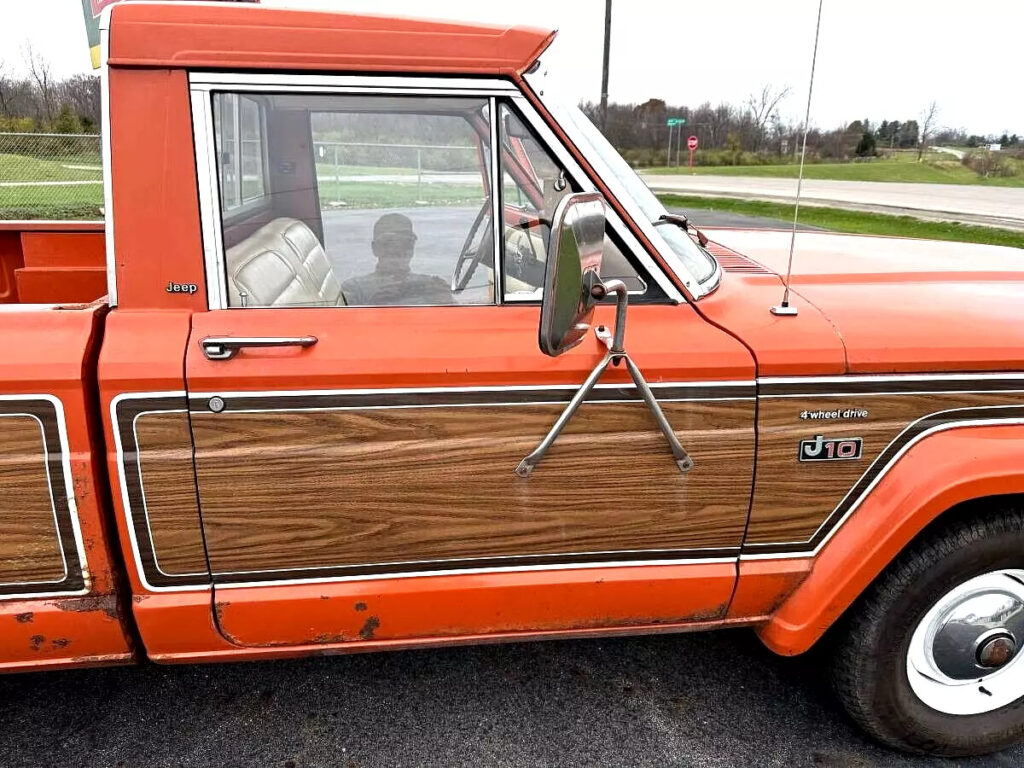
(604, 71)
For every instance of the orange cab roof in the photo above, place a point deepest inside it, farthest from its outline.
(247, 36)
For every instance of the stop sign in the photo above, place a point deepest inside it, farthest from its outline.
(691, 143)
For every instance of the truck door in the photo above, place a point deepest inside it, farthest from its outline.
(368, 377)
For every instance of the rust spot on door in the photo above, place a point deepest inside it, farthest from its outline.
(369, 628)
(218, 609)
(326, 639)
(90, 604)
(360, 606)
(24, 618)
(36, 642)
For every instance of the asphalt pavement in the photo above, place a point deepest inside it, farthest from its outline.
(712, 699)
(969, 204)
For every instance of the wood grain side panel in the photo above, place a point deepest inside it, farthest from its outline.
(30, 548)
(168, 486)
(793, 499)
(327, 488)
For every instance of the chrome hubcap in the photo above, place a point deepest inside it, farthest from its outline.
(963, 656)
(997, 651)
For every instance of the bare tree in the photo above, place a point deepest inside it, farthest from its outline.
(928, 118)
(762, 107)
(82, 93)
(42, 77)
(4, 90)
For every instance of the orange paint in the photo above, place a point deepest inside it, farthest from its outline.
(53, 352)
(51, 262)
(764, 584)
(480, 604)
(65, 632)
(244, 37)
(154, 160)
(930, 478)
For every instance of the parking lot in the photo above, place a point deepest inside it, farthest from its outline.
(714, 699)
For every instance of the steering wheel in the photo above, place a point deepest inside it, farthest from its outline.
(470, 257)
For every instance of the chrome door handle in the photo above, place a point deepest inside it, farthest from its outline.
(226, 347)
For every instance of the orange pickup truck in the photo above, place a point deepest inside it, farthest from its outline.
(346, 368)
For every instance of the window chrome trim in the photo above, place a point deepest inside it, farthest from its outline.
(298, 83)
(497, 204)
(209, 200)
(105, 155)
(538, 85)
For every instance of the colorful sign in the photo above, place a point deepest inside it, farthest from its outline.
(92, 10)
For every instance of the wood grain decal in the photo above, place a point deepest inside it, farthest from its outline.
(38, 547)
(796, 504)
(350, 488)
(160, 489)
(168, 483)
(30, 550)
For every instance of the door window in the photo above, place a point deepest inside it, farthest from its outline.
(533, 183)
(370, 200)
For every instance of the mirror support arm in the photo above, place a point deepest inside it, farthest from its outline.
(616, 352)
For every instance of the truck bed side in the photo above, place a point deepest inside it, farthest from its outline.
(59, 599)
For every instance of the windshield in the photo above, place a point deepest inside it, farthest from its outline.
(697, 261)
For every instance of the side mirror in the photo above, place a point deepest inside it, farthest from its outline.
(572, 288)
(571, 272)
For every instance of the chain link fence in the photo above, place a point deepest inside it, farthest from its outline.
(50, 176)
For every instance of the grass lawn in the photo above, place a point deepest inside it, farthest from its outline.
(358, 194)
(854, 221)
(74, 202)
(51, 201)
(904, 167)
(27, 168)
(324, 168)
(51, 194)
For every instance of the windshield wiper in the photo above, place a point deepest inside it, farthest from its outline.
(681, 221)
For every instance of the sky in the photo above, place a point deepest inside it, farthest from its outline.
(877, 59)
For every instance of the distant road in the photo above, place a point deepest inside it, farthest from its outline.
(989, 206)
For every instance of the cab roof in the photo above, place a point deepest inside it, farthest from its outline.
(254, 37)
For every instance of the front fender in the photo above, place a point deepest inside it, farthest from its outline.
(937, 473)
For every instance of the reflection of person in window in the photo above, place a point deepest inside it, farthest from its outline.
(393, 281)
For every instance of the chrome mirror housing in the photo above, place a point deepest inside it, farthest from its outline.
(571, 272)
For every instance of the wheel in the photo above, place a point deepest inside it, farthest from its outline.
(930, 658)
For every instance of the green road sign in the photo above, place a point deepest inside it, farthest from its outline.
(675, 121)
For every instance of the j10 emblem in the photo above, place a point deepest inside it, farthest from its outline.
(823, 448)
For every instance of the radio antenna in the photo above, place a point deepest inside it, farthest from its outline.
(784, 308)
